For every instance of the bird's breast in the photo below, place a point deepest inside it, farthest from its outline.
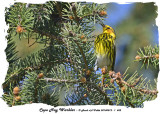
(101, 49)
(102, 60)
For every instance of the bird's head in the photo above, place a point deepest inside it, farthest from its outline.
(109, 30)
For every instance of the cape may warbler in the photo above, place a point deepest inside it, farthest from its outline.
(105, 48)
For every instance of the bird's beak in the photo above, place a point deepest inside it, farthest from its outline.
(102, 24)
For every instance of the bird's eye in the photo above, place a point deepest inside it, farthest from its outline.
(108, 28)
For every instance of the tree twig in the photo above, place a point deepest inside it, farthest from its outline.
(83, 55)
(61, 80)
(36, 91)
(78, 100)
(75, 13)
(120, 81)
(84, 58)
(102, 92)
(58, 7)
(78, 81)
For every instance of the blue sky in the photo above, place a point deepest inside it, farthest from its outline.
(117, 13)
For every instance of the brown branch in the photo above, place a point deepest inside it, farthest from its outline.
(13, 103)
(83, 55)
(61, 80)
(120, 82)
(33, 68)
(131, 85)
(47, 63)
(70, 55)
(147, 57)
(78, 81)
(78, 101)
(59, 39)
(36, 91)
(130, 102)
(146, 91)
(62, 40)
(73, 7)
(75, 13)
(58, 7)
(93, 14)
(102, 92)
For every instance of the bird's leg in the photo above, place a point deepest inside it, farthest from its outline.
(104, 71)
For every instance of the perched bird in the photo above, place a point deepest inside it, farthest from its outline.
(105, 50)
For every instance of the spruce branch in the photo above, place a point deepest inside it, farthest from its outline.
(84, 58)
(79, 100)
(58, 6)
(59, 39)
(147, 91)
(79, 81)
(101, 91)
(118, 78)
(69, 53)
(13, 103)
(36, 91)
(13, 75)
(61, 80)
(148, 55)
(83, 55)
(75, 12)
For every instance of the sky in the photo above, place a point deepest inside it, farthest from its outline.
(120, 10)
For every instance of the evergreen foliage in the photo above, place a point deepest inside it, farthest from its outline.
(62, 73)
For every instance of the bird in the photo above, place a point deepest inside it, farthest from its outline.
(105, 49)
